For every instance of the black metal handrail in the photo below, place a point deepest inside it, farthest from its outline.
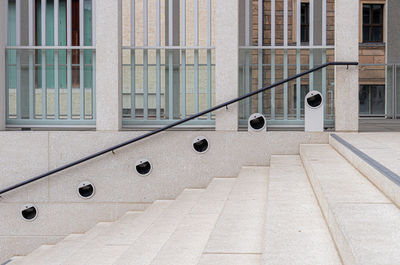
(219, 106)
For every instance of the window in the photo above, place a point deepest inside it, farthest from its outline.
(305, 26)
(372, 23)
(372, 99)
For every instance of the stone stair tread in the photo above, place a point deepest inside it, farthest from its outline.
(363, 222)
(239, 228)
(295, 230)
(186, 244)
(148, 235)
(37, 253)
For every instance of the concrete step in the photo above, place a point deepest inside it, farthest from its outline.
(186, 244)
(295, 229)
(144, 243)
(129, 227)
(239, 229)
(374, 155)
(39, 252)
(363, 222)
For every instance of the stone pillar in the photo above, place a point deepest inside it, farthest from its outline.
(227, 62)
(3, 34)
(108, 65)
(346, 80)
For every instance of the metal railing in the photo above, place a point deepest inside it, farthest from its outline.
(146, 135)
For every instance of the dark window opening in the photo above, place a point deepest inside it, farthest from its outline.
(305, 23)
(372, 99)
(372, 23)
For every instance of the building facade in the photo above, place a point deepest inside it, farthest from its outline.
(166, 61)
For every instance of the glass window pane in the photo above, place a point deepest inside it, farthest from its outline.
(364, 99)
(377, 34)
(377, 14)
(366, 37)
(366, 14)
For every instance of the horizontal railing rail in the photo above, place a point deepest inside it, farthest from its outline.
(169, 126)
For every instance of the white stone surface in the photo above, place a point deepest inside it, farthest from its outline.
(240, 226)
(3, 44)
(295, 230)
(227, 62)
(127, 228)
(363, 222)
(108, 65)
(383, 148)
(186, 244)
(346, 80)
(230, 259)
(146, 247)
(114, 175)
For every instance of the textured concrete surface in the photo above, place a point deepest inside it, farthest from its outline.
(227, 62)
(114, 175)
(240, 226)
(346, 80)
(362, 221)
(228, 216)
(384, 148)
(108, 65)
(295, 230)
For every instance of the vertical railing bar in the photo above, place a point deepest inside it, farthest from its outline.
(285, 23)
(31, 58)
(158, 67)
(94, 59)
(81, 60)
(69, 59)
(298, 84)
(311, 22)
(209, 23)
(6, 58)
(133, 61)
(170, 58)
(298, 59)
(311, 42)
(18, 55)
(273, 58)
(311, 78)
(183, 73)
(324, 22)
(56, 85)
(285, 59)
(393, 92)
(273, 23)
(145, 61)
(44, 62)
(260, 54)
(247, 59)
(273, 81)
(285, 85)
(209, 99)
(298, 23)
(324, 82)
(247, 83)
(208, 82)
(196, 55)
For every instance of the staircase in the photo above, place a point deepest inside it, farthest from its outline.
(311, 208)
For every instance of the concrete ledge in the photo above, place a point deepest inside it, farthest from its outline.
(362, 221)
(382, 177)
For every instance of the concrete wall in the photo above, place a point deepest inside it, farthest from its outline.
(346, 79)
(118, 187)
(108, 65)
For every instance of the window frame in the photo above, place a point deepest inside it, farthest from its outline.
(377, 2)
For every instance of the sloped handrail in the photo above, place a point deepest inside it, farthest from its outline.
(169, 126)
